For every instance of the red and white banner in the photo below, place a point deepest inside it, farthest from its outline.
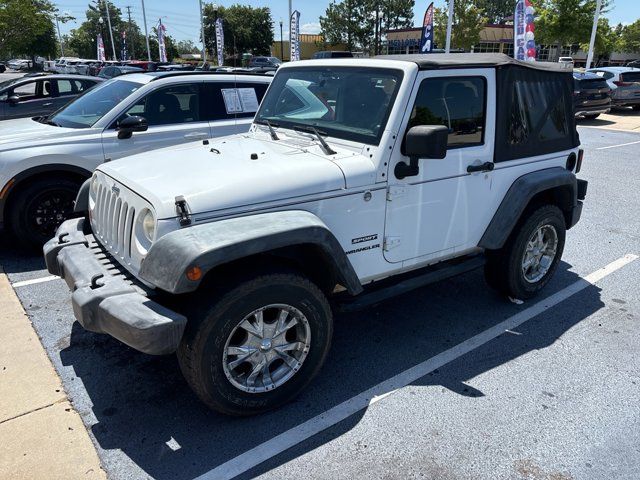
(100, 46)
(524, 44)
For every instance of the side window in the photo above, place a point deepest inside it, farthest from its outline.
(458, 103)
(66, 87)
(25, 91)
(258, 88)
(169, 105)
(538, 112)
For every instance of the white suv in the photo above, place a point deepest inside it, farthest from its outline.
(44, 160)
(359, 180)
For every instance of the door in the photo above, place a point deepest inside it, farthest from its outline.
(174, 117)
(35, 99)
(439, 211)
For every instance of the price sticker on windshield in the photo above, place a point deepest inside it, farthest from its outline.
(240, 100)
(231, 100)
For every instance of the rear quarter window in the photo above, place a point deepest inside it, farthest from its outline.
(630, 77)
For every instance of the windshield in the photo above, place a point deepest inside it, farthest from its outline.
(87, 109)
(345, 102)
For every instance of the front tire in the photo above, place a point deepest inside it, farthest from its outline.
(37, 210)
(531, 255)
(258, 345)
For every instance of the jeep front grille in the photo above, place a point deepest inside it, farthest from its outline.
(113, 221)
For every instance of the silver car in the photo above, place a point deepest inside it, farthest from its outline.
(624, 83)
(41, 95)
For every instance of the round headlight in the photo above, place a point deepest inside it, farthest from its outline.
(149, 225)
(94, 184)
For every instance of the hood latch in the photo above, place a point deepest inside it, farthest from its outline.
(183, 211)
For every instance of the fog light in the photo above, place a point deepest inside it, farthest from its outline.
(194, 273)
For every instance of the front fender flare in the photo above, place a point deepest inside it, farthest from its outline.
(212, 244)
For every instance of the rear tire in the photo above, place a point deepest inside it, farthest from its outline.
(530, 256)
(38, 209)
(233, 336)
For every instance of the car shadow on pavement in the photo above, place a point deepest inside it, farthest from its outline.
(144, 408)
(15, 259)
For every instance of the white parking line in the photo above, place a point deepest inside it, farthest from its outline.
(269, 449)
(24, 283)
(615, 146)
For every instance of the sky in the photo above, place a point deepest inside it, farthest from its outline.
(182, 21)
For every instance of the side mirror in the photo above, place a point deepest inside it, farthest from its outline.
(13, 100)
(423, 141)
(127, 126)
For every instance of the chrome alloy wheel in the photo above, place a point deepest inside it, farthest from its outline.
(540, 253)
(266, 348)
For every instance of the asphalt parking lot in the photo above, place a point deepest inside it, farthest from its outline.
(458, 382)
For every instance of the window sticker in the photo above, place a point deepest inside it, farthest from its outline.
(248, 99)
(231, 100)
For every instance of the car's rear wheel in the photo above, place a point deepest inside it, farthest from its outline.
(258, 345)
(531, 255)
(37, 210)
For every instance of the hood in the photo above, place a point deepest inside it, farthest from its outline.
(230, 172)
(25, 132)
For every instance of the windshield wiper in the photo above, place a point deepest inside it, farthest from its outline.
(325, 146)
(272, 132)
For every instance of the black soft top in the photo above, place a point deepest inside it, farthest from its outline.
(436, 61)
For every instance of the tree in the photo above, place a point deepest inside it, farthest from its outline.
(246, 29)
(26, 28)
(468, 22)
(497, 11)
(569, 22)
(353, 22)
(186, 46)
(630, 37)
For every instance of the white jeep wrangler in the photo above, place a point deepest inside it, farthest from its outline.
(358, 180)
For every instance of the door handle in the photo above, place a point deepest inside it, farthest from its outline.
(482, 167)
(196, 135)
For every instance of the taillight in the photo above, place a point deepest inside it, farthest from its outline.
(579, 164)
(620, 83)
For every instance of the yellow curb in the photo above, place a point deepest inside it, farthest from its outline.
(41, 435)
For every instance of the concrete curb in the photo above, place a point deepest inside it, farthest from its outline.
(41, 435)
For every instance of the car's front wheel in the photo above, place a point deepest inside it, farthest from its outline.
(36, 211)
(258, 345)
(531, 255)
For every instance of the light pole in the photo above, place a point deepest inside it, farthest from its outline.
(593, 34)
(146, 31)
(281, 43)
(447, 47)
(113, 45)
(60, 37)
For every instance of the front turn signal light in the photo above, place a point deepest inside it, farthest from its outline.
(194, 273)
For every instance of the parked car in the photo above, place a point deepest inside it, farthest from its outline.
(44, 160)
(143, 64)
(568, 61)
(41, 94)
(60, 65)
(624, 83)
(19, 64)
(332, 54)
(113, 71)
(265, 62)
(591, 95)
(355, 183)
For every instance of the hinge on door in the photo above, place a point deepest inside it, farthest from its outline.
(395, 191)
(390, 242)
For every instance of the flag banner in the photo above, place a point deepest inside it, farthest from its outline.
(161, 46)
(524, 43)
(100, 44)
(426, 43)
(220, 42)
(295, 36)
(123, 53)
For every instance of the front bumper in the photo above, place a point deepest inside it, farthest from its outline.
(104, 299)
